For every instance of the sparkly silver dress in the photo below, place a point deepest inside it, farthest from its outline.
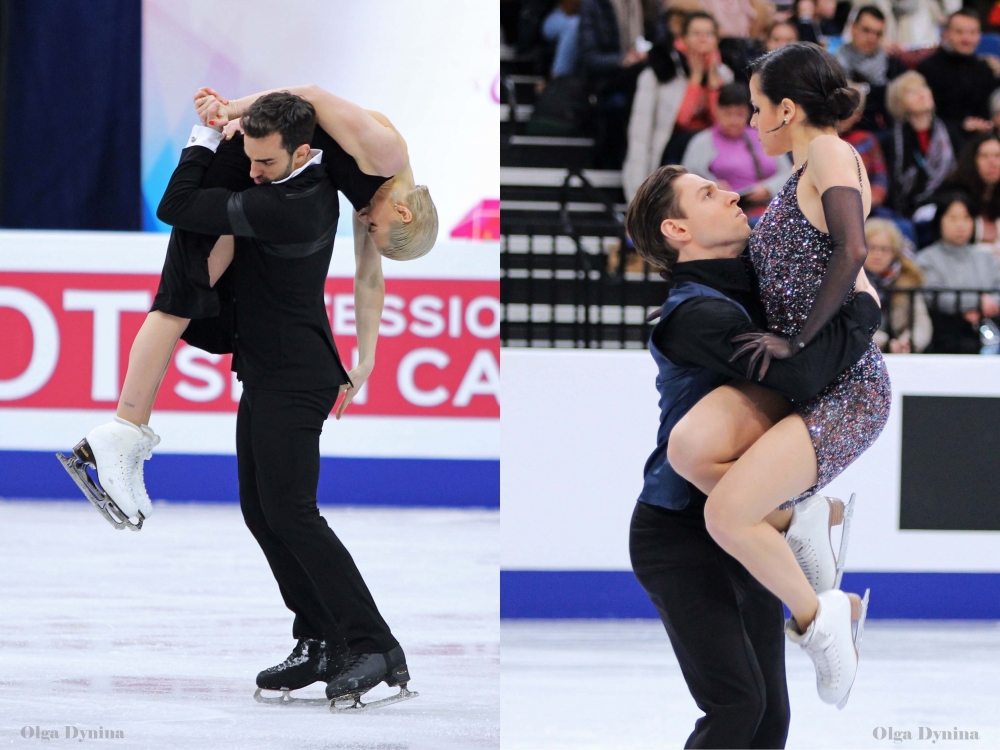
(790, 256)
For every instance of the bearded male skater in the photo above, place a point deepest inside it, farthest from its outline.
(284, 354)
(726, 629)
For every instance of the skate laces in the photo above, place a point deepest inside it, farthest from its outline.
(805, 555)
(294, 659)
(353, 661)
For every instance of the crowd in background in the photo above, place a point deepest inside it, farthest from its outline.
(664, 82)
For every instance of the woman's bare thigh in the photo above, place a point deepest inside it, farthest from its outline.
(725, 423)
(220, 258)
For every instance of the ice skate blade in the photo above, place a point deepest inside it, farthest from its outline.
(844, 537)
(77, 471)
(287, 699)
(357, 706)
(859, 629)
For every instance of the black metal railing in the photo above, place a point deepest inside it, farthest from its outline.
(568, 290)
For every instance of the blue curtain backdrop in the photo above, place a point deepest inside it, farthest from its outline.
(70, 90)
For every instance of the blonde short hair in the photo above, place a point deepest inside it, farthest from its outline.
(899, 87)
(414, 239)
(884, 226)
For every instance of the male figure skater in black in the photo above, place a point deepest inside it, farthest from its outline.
(726, 629)
(285, 356)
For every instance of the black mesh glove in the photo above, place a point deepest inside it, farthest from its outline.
(845, 218)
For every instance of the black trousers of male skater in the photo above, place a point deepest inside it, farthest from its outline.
(277, 449)
(726, 629)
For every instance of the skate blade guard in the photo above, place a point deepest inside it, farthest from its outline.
(347, 704)
(76, 466)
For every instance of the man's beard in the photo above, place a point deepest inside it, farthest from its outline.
(288, 171)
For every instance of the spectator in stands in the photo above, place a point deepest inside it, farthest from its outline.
(867, 146)
(909, 24)
(739, 25)
(779, 34)
(906, 324)
(865, 61)
(611, 62)
(995, 110)
(918, 151)
(961, 82)
(816, 20)
(676, 96)
(977, 174)
(955, 263)
(677, 12)
(706, 74)
(730, 154)
(562, 27)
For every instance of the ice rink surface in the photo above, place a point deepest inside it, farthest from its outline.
(616, 684)
(160, 633)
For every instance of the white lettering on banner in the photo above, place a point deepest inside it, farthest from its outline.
(407, 369)
(481, 379)
(45, 343)
(361, 397)
(478, 305)
(343, 315)
(235, 388)
(425, 310)
(455, 317)
(187, 363)
(107, 307)
(393, 320)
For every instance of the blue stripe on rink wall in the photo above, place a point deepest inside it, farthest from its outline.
(617, 595)
(407, 482)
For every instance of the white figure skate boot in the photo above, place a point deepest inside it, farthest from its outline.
(833, 641)
(111, 449)
(809, 537)
(149, 441)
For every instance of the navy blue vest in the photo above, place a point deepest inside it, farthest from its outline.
(680, 388)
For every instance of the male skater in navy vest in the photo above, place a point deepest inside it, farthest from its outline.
(726, 629)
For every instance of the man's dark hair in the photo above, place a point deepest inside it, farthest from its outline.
(655, 201)
(965, 13)
(281, 112)
(870, 10)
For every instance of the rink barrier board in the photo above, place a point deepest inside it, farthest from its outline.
(381, 482)
(579, 594)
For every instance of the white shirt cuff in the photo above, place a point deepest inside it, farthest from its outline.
(210, 138)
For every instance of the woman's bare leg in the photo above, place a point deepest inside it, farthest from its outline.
(720, 428)
(147, 361)
(777, 467)
(154, 345)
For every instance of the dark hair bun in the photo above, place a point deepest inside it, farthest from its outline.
(844, 102)
(809, 76)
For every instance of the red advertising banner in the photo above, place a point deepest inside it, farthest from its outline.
(65, 340)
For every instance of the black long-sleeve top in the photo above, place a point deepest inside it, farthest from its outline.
(699, 332)
(284, 241)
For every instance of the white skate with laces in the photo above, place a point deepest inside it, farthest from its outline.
(833, 642)
(808, 535)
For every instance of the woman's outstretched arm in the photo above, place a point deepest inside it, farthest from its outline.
(370, 139)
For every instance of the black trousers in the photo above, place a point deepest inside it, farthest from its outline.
(277, 450)
(726, 629)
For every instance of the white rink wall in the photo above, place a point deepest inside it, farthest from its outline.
(578, 426)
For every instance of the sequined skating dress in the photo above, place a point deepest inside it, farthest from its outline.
(790, 256)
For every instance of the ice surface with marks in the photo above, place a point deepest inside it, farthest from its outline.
(617, 684)
(159, 634)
